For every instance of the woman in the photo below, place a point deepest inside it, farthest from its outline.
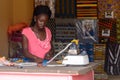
(37, 38)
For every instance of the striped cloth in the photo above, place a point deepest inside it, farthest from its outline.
(86, 9)
(65, 8)
(112, 59)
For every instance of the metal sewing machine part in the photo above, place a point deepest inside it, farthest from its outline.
(73, 49)
(67, 46)
(73, 58)
(76, 60)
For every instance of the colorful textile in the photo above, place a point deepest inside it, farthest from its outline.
(86, 9)
(108, 6)
(65, 8)
(102, 8)
(107, 30)
(118, 30)
(99, 51)
(36, 46)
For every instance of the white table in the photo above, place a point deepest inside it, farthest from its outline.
(48, 73)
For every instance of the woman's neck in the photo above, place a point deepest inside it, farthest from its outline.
(40, 33)
(36, 29)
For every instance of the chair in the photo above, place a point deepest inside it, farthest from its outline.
(15, 39)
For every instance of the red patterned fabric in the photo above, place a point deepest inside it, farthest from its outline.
(86, 9)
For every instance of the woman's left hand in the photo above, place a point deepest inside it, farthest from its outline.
(39, 65)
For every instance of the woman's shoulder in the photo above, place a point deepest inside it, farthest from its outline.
(26, 30)
(48, 29)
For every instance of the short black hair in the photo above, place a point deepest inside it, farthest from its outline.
(41, 9)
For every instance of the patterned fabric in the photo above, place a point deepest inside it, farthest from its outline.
(108, 6)
(36, 46)
(65, 8)
(99, 51)
(65, 32)
(101, 8)
(118, 30)
(87, 30)
(116, 8)
(112, 59)
(107, 30)
(51, 25)
(58, 46)
(86, 9)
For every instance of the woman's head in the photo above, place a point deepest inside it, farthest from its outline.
(42, 9)
(41, 15)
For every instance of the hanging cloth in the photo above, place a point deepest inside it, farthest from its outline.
(112, 59)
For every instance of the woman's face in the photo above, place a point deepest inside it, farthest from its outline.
(41, 21)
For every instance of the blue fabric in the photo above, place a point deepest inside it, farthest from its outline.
(44, 63)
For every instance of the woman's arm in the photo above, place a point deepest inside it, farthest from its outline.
(27, 53)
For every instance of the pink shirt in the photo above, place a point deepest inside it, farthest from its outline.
(36, 46)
